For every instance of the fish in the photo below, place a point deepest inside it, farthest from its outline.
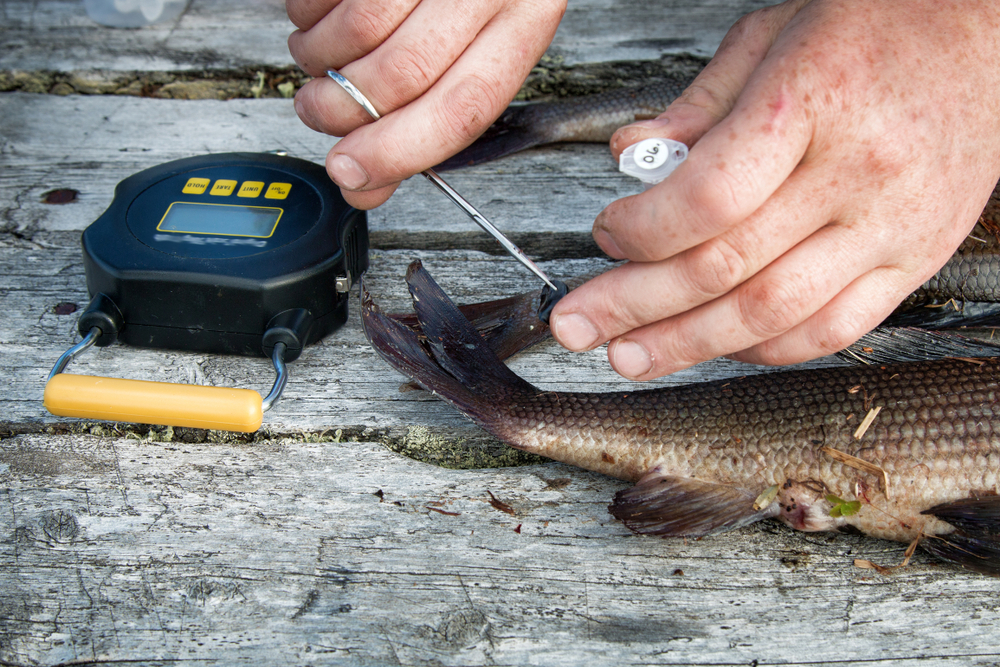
(907, 452)
(588, 118)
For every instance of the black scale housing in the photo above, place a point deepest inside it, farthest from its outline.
(212, 292)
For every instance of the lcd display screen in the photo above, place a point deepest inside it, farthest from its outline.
(221, 219)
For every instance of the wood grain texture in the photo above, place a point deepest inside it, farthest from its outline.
(343, 553)
(227, 34)
(90, 143)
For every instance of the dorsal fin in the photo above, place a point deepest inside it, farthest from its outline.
(887, 345)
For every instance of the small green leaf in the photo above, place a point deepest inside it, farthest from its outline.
(841, 507)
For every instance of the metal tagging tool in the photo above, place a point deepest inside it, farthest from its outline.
(553, 290)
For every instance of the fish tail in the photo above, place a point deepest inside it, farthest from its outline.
(975, 544)
(445, 354)
(516, 129)
(509, 325)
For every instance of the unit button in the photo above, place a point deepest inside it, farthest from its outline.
(278, 191)
(223, 188)
(196, 186)
(250, 189)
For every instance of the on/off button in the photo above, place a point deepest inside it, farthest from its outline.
(278, 191)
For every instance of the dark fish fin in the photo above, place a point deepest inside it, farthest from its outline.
(975, 544)
(402, 347)
(972, 515)
(897, 344)
(445, 355)
(509, 325)
(456, 345)
(685, 507)
(515, 130)
(950, 315)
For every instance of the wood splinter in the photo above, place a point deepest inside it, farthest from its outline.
(886, 571)
(866, 422)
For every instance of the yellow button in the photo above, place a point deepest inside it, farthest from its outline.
(250, 189)
(196, 186)
(278, 191)
(223, 188)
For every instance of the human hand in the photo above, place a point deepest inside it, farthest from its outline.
(438, 71)
(842, 149)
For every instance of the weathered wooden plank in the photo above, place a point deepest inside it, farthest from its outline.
(290, 551)
(58, 35)
(91, 143)
(226, 34)
(597, 30)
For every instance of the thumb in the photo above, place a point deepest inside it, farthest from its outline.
(712, 94)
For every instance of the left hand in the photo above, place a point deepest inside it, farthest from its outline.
(842, 149)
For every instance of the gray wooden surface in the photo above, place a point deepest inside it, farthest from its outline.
(57, 35)
(356, 528)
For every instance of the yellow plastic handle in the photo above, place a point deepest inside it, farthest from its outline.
(144, 402)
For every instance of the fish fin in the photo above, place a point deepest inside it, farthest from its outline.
(509, 325)
(516, 129)
(975, 544)
(685, 507)
(457, 347)
(445, 355)
(951, 315)
(897, 344)
(401, 346)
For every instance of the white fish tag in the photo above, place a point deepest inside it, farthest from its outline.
(652, 160)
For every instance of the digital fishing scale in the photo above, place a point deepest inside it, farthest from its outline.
(236, 253)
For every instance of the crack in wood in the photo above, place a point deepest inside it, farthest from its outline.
(550, 79)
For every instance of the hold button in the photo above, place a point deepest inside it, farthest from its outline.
(196, 186)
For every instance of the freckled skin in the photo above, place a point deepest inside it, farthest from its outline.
(937, 436)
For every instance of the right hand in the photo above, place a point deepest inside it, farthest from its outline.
(438, 71)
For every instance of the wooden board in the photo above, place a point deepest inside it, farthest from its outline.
(295, 552)
(230, 34)
(90, 143)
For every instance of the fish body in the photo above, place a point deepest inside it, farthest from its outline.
(591, 118)
(715, 456)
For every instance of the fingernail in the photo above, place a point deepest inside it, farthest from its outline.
(346, 173)
(631, 359)
(607, 244)
(574, 331)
